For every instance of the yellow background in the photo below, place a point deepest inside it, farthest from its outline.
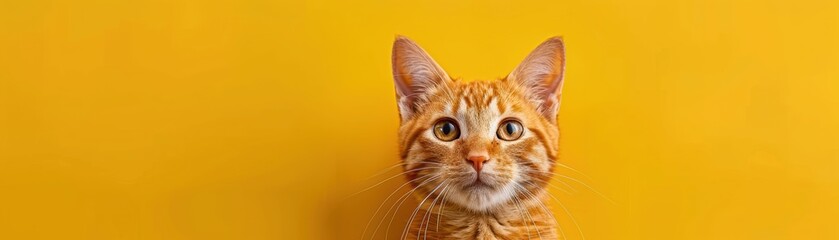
(251, 119)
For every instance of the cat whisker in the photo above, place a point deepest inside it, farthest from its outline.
(568, 185)
(430, 210)
(532, 170)
(581, 183)
(517, 202)
(383, 181)
(400, 200)
(573, 169)
(554, 186)
(440, 212)
(429, 213)
(563, 184)
(385, 201)
(561, 230)
(589, 187)
(569, 214)
(383, 171)
(411, 219)
(545, 209)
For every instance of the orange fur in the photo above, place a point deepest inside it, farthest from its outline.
(504, 199)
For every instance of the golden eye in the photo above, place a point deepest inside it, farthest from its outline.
(446, 130)
(510, 130)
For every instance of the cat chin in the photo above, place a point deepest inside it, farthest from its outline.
(483, 199)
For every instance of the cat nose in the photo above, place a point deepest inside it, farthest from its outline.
(477, 161)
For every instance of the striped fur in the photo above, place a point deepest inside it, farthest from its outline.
(509, 201)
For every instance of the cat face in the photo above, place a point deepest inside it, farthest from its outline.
(482, 144)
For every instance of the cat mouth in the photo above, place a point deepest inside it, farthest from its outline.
(481, 195)
(478, 185)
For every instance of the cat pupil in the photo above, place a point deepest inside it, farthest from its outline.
(510, 128)
(447, 128)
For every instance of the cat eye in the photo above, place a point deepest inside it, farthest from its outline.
(446, 130)
(510, 130)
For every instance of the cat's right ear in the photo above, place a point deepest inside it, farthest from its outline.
(415, 75)
(541, 74)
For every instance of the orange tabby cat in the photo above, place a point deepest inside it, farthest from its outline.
(479, 154)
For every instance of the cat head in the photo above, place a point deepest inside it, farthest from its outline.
(479, 144)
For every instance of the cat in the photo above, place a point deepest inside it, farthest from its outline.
(479, 154)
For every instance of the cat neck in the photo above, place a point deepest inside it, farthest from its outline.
(518, 219)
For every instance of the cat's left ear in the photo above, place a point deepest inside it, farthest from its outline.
(541, 75)
(416, 76)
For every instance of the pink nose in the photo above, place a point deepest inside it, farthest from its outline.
(477, 161)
